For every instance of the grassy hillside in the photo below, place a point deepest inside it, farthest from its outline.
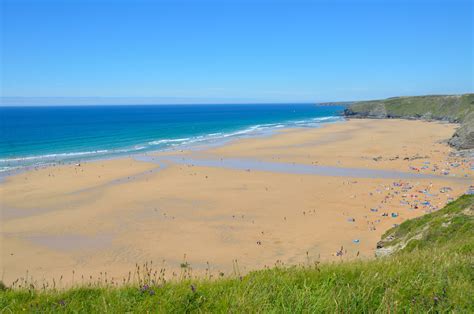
(452, 108)
(454, 223)
(431, 272)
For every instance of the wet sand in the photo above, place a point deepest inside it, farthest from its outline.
(302, 194)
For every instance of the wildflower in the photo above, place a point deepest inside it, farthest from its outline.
(145, 288)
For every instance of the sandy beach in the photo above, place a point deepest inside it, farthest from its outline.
(298, 195)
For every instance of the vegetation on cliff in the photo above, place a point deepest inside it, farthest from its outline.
(452, 108)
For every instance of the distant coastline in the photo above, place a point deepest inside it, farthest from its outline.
(451, 108)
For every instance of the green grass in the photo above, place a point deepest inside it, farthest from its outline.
(452, 224)
(432, 274)
(452, 108)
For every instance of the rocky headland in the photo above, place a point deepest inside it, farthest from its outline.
(449, 108)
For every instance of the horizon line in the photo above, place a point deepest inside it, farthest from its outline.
(46, 101)
(28, 101)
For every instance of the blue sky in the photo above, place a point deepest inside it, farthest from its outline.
(236, 51)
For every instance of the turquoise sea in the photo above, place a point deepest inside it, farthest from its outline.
(35, 136)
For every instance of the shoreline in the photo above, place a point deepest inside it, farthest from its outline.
(207, 144)
(195, 147)
(110, 214)
(197, 142)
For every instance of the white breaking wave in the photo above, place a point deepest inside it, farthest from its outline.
(164, 141)
(54, 156)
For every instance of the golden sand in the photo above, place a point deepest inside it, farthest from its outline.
(106, 216)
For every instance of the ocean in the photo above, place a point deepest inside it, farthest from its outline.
(37, 136)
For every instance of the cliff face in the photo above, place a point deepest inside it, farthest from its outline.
(464, 136)
(457, 108)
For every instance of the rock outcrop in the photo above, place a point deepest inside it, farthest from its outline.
(463, 138)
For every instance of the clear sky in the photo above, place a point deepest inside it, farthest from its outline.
(236, 51)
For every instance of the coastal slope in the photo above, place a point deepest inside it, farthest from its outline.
(450, 108)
